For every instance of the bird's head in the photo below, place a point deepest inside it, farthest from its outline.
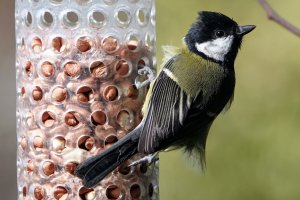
(216, 37)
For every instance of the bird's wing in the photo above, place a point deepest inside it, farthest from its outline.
(167, 109)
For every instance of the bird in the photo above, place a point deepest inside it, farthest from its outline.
(195, 84)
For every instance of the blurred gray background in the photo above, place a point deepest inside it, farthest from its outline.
(253, 151)
(8, 185)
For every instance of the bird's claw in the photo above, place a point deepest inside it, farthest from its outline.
(146, 160)
(145, 71)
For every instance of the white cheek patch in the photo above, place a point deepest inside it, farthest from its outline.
(216, 49)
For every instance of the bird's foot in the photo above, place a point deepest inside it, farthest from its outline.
(146, 160)
(145, 76)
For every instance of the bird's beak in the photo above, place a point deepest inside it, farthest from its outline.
(243, 30)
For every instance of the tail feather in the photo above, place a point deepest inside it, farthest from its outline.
(196, 150)
(107, 163)
(98, 167)
(86, 165)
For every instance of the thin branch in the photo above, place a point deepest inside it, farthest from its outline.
(272, 15)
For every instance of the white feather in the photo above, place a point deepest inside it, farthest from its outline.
(216, 49)
(171, 75)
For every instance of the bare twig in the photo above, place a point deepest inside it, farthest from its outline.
(272, 15)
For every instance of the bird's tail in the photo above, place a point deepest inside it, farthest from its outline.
(94, 169)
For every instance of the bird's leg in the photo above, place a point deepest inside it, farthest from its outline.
(149, 159)
(146, 72)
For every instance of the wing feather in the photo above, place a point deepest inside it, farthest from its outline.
(167, 110)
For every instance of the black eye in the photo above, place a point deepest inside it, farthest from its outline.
(220, 33)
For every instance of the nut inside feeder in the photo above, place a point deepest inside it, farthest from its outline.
(47, 69)
(110, 140)
(28, 68)
(48, 168)
(23, 143)
(84, 44)
(38, 142)
(72, 69)
(98, 69)
(86, 193)
(30, 166)
(72, 118)
(59, 144)
(36, 44)
(86, 143)
(60, 193)
(133, 43)
(132, 92)
(70, 167)
(85, 94)
(111, 93)
(98, 117)
(37, 93)
(113, 192)
(122, 67)
(110, 44)
(58, 44)
(39, 193)
(59, 94)
(48, 119)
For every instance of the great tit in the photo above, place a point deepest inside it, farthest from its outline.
(195, 84)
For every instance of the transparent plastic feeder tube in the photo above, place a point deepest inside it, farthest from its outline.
(83, 69)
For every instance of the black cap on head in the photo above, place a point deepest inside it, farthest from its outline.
(207, 23)
(211, 26)
(213, 20)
